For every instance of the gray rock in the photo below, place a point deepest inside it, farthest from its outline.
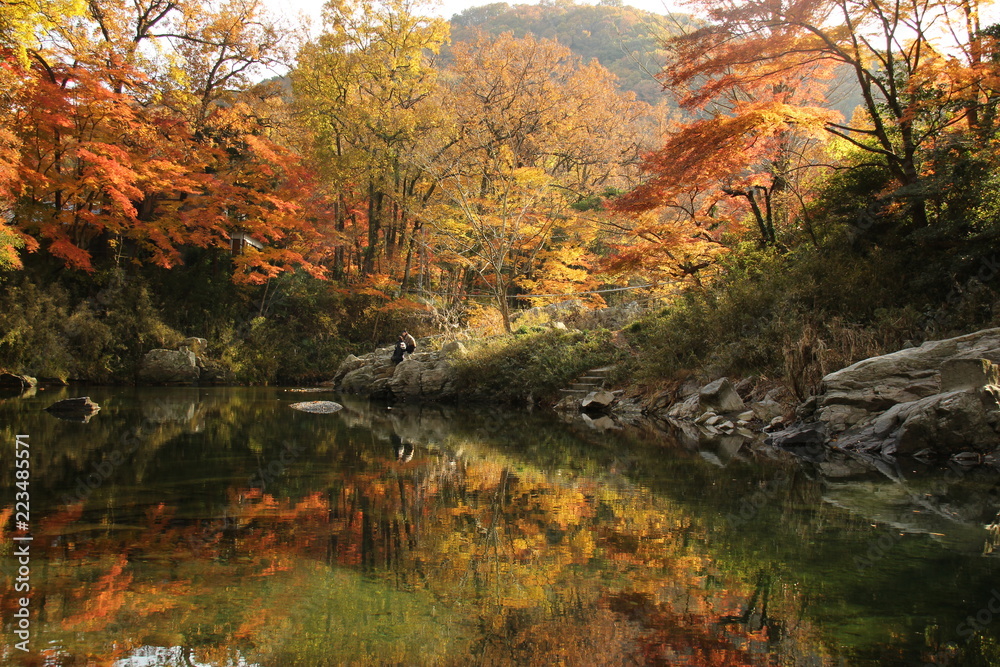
(947, 423)
(767, 409)
(169, 367)
(941, 396)
(962, 374)
(421, 376)
(197, 345)
(317, 407)
(689, 408)
(424, 376)
(850, 395)
(705, 417)
(776, 423)
(720, 396)
(350, 363)
(597, 401)
(359, 380)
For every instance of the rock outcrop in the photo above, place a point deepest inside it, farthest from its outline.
(421, 376)
(941, 398)
(17, 381)
(188, 364)
(169, 367)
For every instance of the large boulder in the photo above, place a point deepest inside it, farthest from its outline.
(358, 380)
(169, 367)
(424, 376)
(421, 376)
(350, 363)
(17, 381)
(947, 423)
(597, 401)
(940, 398)
(849, 396)
(720, 397)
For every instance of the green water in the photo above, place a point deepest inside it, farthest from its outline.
(217, 526)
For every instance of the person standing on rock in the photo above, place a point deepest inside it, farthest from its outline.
(399, 350)
(411, 344)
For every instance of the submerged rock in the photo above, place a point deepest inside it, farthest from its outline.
(318, 407)
(79, 409)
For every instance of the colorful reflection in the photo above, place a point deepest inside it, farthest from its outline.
(237, 533)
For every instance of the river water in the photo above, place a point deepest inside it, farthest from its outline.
(217, 526)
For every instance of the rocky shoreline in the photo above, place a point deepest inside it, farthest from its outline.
(937, 401)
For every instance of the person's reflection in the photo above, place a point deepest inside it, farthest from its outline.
(404, 450)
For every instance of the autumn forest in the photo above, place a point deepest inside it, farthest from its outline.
(774, 174)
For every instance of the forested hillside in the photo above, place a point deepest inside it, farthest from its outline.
(627, 41)
(425, 175)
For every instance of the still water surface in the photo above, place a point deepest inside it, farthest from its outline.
(217, 526)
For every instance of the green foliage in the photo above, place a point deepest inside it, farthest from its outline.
(794, 315)
(533, 364)
(30, 320)
(48, 334)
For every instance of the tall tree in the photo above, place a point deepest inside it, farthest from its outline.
(364, 89)
(123, 148)
(534, 131)
(898, 53)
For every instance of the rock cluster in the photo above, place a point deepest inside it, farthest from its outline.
(717, 407)
(421, 376)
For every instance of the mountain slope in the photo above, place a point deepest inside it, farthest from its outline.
(624, 39)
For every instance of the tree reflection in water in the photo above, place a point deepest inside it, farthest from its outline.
(491, 540)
